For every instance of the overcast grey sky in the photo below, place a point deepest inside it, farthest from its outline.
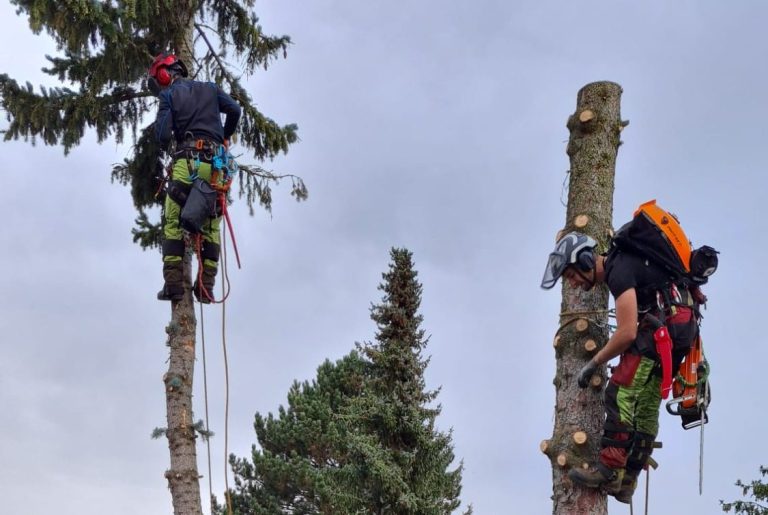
(438, 126)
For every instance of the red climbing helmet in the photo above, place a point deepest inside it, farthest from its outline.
(159, 75)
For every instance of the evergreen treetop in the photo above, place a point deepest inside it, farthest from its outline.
(105, 49)
(361, 438)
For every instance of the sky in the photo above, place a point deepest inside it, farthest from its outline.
(435, 126)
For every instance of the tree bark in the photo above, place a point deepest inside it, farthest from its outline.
(183, 477)
(592, 148)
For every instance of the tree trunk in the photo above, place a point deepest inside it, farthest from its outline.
(183, 477)
(579, 413)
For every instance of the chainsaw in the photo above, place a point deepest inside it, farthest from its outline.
(691, 396)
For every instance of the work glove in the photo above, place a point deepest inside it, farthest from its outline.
(586, 373)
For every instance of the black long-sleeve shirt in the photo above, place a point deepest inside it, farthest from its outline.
(191, 110)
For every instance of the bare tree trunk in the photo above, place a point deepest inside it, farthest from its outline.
(183, 477)
(579, 413)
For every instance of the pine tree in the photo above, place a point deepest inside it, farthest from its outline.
(303, 466)
(758, 490)
(105, 48)
(362, 437)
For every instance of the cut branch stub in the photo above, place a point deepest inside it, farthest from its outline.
(581, 221)
(590, 345)
(556, 341)
(581, 324)
(580, 437)
(586, 115)
(544, 445)
(562, 460)
(596, 381)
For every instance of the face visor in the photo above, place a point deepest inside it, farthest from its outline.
(555, 267)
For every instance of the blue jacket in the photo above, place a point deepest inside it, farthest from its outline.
(191, 110)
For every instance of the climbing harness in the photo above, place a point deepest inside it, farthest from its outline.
(204, 199)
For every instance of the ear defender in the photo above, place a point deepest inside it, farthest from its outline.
(162, 76)
(586, 260)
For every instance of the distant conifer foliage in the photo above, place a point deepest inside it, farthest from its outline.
(105, 50)
(361, 437)
(757, 490)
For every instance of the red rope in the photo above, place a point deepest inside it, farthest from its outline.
(204, 291)
(225, 213)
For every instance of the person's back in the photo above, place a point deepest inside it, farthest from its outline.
(190, 110)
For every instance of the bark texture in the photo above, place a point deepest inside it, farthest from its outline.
(183, 477)
(593, 145)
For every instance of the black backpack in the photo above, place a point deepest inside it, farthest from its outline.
(656, 235)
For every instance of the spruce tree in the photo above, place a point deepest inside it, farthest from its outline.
(757, 490)
(404, 457)
(105, 48)
(361, 438)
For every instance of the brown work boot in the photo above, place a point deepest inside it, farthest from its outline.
(173, 289)
(628, 485)
(205, 294)
(598, 476)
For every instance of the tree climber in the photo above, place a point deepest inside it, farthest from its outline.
(643, 295)
(190, 112)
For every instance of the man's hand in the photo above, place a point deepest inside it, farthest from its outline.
(586, 373)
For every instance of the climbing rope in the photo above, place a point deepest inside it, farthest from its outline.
(225, 290)
(579, 315)
(224, 285)
(205, 396)
(203, 290)
(647, 487)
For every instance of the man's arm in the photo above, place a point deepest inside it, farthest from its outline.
(164, 120)
(626, 328)
(232, 111)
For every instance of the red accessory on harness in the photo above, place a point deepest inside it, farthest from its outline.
(664, 351)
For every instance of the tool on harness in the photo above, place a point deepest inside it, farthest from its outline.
(199, 207)
(690, 389)
(664, 351)
(692, 396)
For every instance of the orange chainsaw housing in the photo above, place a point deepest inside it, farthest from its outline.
(684, 386)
